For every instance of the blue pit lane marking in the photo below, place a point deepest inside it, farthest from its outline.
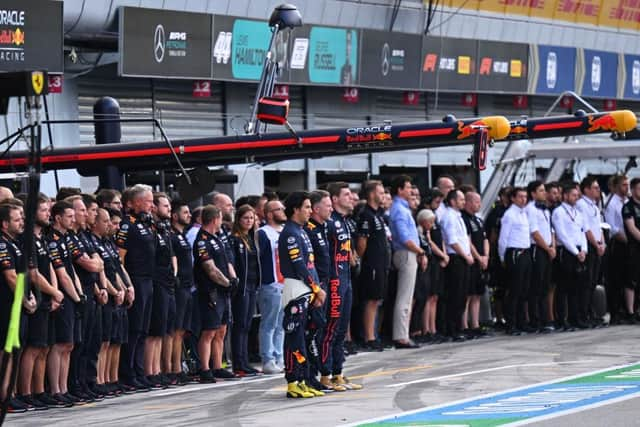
(526, 404)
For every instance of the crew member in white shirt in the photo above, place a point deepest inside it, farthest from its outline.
(570, 233)
(543, 252)
(588, 207)
(458, 270)
(513, 249)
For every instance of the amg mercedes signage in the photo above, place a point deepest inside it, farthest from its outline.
(165, 44)
(31, 35)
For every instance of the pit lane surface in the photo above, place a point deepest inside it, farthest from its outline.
(395, 381)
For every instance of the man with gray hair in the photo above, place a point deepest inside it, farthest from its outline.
(136, 243)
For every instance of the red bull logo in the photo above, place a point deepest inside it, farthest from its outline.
(469, 130)
(381, 136)
(345, 246)
(518, 130)
(606, 122)
(336, 300)
(12, 37)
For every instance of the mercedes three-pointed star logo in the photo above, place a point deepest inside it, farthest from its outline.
(385, 59)
(158, 43)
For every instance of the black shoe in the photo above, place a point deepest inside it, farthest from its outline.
(223, 374)
(16, 406)
(442, 339)
(50, 401)
(514, 332)
(126, 388)
(31, 400)
(582, 325)
(68, 403)
(314, 383)
(206, 377)
(530, 330)
(183, 379)
(153, 381)
(140, 386)
(350, 348)
(371, 346)
(408, 345)
(92, 390)
(459, 338)
(75, 399)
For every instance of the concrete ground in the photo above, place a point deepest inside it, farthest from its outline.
(394, 381)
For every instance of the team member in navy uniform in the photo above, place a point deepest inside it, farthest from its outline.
(58, 361)
(181, 218)
(569, 226)
(374, 249)
(11, 224)
(136, 243)
(316, 230)
(631, 219)
(543, 252)
(116, 291)
(479, 270)
(301, 288)
(39, 335)
(88, 267)
(514, 250)
(120, 325)
(215, 278)
(243, 301)
(158, 346)
(340, 293)
(620, 293)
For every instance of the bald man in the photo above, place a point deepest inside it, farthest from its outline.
(445, 184)
(5, 193)
(480, 253)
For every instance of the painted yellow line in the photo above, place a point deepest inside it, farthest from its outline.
(170, 407)
(373, 375)
(390, 372)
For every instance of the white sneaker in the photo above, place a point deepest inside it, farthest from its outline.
(270, 368)
(280, 365)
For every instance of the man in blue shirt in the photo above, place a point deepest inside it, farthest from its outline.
(407, 250)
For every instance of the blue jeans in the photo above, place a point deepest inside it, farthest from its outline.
(271, 314)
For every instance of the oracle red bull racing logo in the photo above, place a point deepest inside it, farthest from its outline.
(371, 134)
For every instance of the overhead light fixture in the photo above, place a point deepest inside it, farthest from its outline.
(285, 16)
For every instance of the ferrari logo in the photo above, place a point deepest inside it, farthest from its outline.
(37, 81)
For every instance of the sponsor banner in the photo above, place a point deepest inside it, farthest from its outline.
(240, 48)
(390, 60)
(632, 77)
(449, 64)
(557, 71)
(324, 55)
(502, 67)
(600, 74)
(165, 44)
(617, 14)
(31, 36)
(527, 404)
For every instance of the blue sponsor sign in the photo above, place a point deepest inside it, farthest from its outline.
(249, 45)
(557, 69)
(333, 56)
(632, 80)
(601, 74)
